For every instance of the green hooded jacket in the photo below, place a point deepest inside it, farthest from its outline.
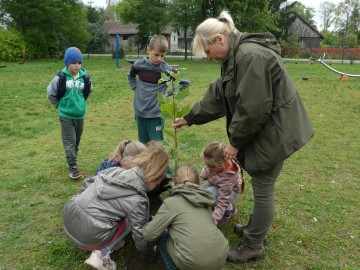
(265, 117)
(73, 104)
(195, 242)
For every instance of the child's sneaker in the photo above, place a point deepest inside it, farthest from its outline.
(228, 215)
(99, 262)
(74, 172)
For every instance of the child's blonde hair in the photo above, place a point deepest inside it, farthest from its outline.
(153, 162)
(159, 42)
(205, 33)
(187, 175)
(213, 155)
(153, 144)
(125, 149)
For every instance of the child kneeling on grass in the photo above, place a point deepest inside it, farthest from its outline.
(187, 235)
(116, 203)
(224, 180)
(124, 149)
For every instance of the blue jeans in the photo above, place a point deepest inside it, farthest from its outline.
(215, 193)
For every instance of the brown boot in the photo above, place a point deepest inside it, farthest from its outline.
(239, 230)
(243, 254)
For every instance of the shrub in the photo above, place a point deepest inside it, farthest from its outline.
(12, 45)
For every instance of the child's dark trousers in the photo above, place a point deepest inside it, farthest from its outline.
(71, 131)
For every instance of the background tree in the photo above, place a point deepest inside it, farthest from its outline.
(184, 16)
(148, 16)
(347, 22)
(280, 10)
(251, 15)
(48, 26)
(99, 38)
(327, 14)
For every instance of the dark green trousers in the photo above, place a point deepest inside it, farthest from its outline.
(263, 185)
(71, 131)
(150, 129)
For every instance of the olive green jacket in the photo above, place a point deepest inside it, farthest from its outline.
(195, 242)
(266, 119)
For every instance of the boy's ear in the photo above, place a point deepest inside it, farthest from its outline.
(148, 50)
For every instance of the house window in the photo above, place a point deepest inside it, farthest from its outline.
(125, 37)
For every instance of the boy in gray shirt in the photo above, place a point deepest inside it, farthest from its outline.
(143, 78)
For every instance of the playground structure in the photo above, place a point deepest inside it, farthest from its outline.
(344, 76)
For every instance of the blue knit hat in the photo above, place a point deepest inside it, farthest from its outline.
(72, 54)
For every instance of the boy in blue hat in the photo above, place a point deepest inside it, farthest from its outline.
(68, 92)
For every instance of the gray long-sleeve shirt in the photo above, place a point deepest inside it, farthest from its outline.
(143, 78)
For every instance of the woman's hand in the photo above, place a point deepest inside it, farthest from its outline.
(230, 152)
(178, 123)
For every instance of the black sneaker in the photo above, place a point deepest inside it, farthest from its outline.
(228, 215)
(74, 172)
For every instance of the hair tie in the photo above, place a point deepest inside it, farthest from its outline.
(222, 19)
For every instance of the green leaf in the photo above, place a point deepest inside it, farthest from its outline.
(183, 94)
(161, 98)
(169, 133)
(167, 109)
(181, 112)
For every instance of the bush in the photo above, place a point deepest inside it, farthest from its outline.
(12, 46)
(121, 53)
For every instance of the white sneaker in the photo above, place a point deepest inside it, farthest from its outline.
(99, 262)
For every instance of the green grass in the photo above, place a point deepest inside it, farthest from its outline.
(317, 218)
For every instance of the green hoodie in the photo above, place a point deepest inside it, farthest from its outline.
(73, 104)
(195, 242)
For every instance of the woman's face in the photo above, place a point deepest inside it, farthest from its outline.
(218, 50)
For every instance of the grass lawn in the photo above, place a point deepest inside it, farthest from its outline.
(316, 225)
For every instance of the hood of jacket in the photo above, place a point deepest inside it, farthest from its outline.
(82, 71)
(117, 182)
(264, 39)
(196, 196)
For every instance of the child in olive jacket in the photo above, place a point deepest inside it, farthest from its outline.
(187, 235)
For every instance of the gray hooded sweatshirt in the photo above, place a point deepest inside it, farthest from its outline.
(91, 218)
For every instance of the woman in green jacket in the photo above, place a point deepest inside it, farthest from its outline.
(188, 236)
(266, 121)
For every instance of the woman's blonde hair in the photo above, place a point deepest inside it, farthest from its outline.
(205, 33)
(187, 175)
(125, 149)
(213, 155)
(153, 162)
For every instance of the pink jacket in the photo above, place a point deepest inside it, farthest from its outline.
(227, 182)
